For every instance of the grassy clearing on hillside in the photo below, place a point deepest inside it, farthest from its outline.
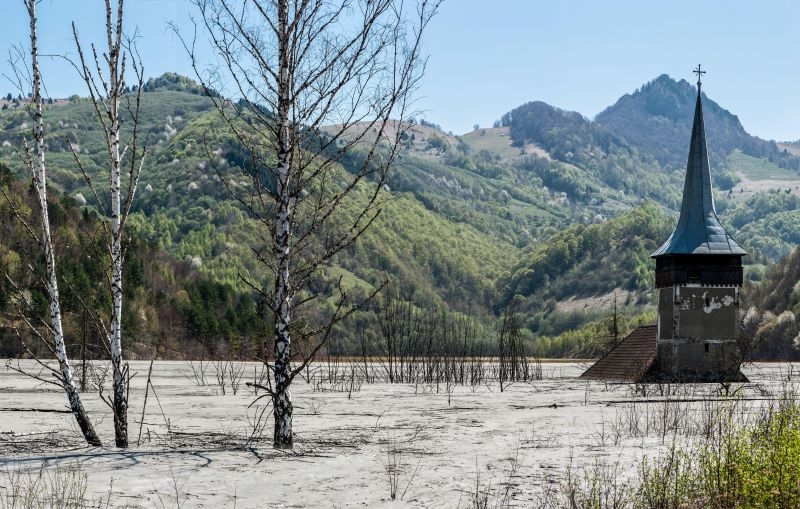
(496, 140)
(758, 169)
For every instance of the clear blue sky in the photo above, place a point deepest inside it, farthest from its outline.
(489, 56)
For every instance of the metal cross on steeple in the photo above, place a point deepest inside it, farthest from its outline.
(699, 72)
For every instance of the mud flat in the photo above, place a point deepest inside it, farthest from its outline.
(356, 442)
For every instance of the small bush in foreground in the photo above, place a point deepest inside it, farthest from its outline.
(61, 486)
(740, 466)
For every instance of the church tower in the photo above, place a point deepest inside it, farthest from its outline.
(698, 276)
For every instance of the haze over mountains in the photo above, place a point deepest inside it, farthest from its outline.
(549, 208)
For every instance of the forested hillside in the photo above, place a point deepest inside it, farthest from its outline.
(770, 322)
(601, 155)
(548, 209)
(586, 260)
(172, 310)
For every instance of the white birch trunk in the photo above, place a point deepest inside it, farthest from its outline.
(106, 94)
(120, 392)
(282, 398)
(40, 177)
(115, 85)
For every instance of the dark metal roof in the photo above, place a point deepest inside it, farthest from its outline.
(699, 230)
(630, 360)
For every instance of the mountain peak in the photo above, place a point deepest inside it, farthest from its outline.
(657, 118)
(664, 79)
(175, 82)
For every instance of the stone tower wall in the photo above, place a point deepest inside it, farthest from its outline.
(697, 331)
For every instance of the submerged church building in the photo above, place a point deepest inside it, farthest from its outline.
(698, 276)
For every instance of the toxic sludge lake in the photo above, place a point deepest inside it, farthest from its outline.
(354, 442)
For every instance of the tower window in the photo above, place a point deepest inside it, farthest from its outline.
(706, 345)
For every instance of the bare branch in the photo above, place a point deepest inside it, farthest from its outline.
(316, 81)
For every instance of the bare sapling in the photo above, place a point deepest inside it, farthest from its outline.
(51, 333)
(512, 363)
(326, 93)
(229, 374)
(257, 421)
(426, 346)
(104, 75)
(400, 325)
(221, 372)
(396, 468)
(147, 385)
(198, 372)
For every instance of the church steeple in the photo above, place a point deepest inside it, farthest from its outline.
(699, 230)
(698, 275)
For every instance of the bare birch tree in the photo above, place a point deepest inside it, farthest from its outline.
(35, 161)
(317, 81)
(104, 75)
